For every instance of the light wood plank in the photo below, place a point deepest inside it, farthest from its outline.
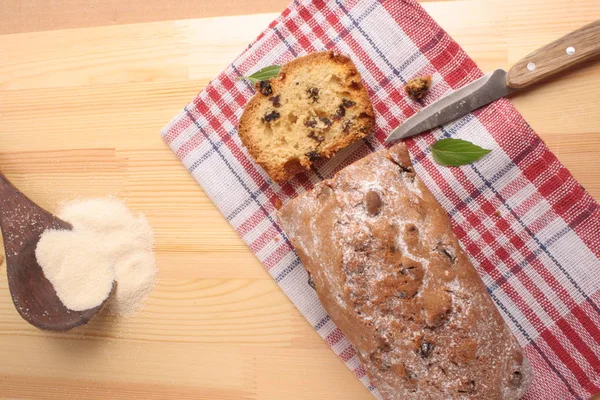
(44, 15)
(152, 52)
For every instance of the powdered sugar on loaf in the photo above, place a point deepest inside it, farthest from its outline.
(392, 276)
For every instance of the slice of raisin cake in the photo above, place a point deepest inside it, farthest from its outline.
(316, 106)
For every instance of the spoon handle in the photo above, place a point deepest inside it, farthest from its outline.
(21, 220)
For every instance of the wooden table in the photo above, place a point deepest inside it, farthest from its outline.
(85, 87)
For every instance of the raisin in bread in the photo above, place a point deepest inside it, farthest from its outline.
(392, 276)
(316, 106)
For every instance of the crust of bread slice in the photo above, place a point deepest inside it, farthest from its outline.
(316, 106)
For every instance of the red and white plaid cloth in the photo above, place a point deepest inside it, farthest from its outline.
(531, 230)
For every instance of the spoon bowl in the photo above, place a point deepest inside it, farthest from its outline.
(22, 223)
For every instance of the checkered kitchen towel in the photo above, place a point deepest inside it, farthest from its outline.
(531, 230)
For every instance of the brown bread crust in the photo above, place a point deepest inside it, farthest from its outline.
(391, 274)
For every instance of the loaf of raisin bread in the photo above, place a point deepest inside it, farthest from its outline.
(390, 272)
(316, 106)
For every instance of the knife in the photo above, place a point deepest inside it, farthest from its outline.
(573, 48)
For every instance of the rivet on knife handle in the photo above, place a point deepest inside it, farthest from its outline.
(573, 48)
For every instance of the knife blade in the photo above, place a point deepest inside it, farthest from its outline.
(456, 104)
(574, 48)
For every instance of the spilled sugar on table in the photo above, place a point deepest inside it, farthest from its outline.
(85, 90)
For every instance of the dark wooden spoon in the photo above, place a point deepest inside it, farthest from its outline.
(22, 223)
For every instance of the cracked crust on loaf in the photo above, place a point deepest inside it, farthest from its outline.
(390, 272)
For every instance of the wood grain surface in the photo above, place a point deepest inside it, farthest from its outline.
(80, 112)
(567, 52)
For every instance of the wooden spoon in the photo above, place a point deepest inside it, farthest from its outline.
(22, 223)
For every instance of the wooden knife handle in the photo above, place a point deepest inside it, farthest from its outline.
(573, 48)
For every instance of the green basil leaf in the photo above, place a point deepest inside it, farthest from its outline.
(263, 74)
(455, 152)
